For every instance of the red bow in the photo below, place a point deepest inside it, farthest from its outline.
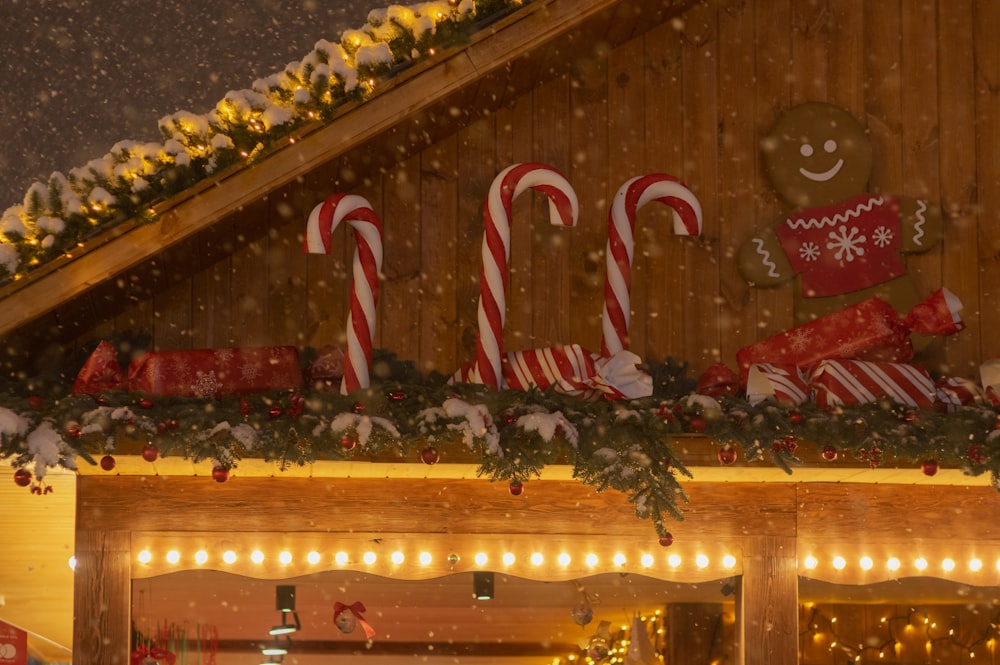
(156, 653)
(356, 609)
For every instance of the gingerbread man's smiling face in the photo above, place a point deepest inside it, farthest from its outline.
(816, 155)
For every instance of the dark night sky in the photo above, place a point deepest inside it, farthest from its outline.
(81, 75)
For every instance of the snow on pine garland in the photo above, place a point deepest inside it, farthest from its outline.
(125, 183)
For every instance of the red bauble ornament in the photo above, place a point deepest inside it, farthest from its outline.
(275, 411)
(22, 477)
(796, 417)
(358, 407)
(430, 455)
(220, 474)
(829, 453)
(697, 424)
(911, 416)
(73, 430)
(348, 442)
(245, 407)
(509, 417)
(727, 455)
(396, 396)
(107, 462)
(666, 540)
(36, 402)
(150, 453)
(102, 400)
(515, 488)
(929, 467)
(146, 402)
(975, 453)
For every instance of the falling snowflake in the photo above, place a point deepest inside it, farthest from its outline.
(848, 245)
(809, 251)
(206, 385)
(882, 236)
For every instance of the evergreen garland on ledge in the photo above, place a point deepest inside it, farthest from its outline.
(636, 447)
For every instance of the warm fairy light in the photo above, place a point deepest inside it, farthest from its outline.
(701, 561)
(314, 557)
(145, 556)
(481, 559)
(674, 560)
(646, 561)
(341, 558)
(810, 562)
(975, 565)
(537, 559)
(229, 556)
(563, 559)
(892, 563)
(285, 558)
(508, 559)
(425, 558)
(397, 558)
(369, 558)
(173, 556)
(591, 560)
(948, 565)
(201, 557)
(920, 563)
(619, 559)
(729, 561)
(72, 563)
(257, 557)
(839, 562)
(866, 563)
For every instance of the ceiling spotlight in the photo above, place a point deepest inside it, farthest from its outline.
(482, 585)
(285, 598)
(285, 603)
(274, 649)
(285, 628)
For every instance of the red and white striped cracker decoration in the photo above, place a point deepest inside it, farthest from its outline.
(567, 368)
(563, 210)
(357, 212)
(785, 383)
(989, 375)
(836, 382)
(631, 196)
(952, 393)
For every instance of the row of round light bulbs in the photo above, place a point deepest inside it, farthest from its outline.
(894, 563)
(397, 558)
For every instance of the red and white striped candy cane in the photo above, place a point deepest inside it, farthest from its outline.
(631, 196)
(563, 209)
(358, 213)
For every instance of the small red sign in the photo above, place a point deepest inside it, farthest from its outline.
(13, 645)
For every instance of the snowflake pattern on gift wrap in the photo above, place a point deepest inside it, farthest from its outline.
(249, 371)
(799, 341)
(178, 367)
(206, 385)
(224, 356)
(848, 244)
(882, 236)
(809, 251)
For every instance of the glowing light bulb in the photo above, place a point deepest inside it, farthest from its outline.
(729, 561)
(866, 563)
(481, 559)
(229, 557)
(975, 565)
(674, 560)
(425, 558)
(285, 558)
(591, 560)
(701, 561)
(537, 559)
(563, 559)
(892, 563)
(920, 563)
(314, 557)
(145, 556)
(948, 565)
(619, 559)
(173, 556)
(72, 563)
(810, 562)
(257, 557)
(839, 562)
(341, 558)
(369, 558)
(397, 558)
(646, 561)
(508, 559)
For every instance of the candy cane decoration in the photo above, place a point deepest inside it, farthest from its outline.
(631, 196)
(358, 213)
(563, 209)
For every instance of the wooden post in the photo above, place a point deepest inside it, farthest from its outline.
(101, 607)
(698, 633)
(767, 600)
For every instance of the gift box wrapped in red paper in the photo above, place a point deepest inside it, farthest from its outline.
(100, 373)
(871, 330)
(216, 372)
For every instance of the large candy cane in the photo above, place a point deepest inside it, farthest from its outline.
(563, 209)
(358, 213)
(621, 222)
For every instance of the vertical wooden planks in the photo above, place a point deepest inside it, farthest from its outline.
(286, 284)
(700, 55)
(438, 230)
(589, 149)
(883, 96)
(845, 50)
(767, 602)
(249, 278)
(773, 62)
(987, 96)
(211, 289)
(101, 608)
(810, 41)
(960, 251)
(738, 163)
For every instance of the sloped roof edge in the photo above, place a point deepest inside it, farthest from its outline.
(413, 91)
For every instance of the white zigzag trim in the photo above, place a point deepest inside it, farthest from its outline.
(921, 220)
(765, 258)
(839, 218)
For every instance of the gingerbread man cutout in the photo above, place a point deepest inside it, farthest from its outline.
(842, 244)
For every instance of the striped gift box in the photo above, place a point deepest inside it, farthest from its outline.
(836, 382)
(989, 374)
(786, 384)
(567, 369)
(955, 392)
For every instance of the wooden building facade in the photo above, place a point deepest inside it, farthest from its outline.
(603, 90)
